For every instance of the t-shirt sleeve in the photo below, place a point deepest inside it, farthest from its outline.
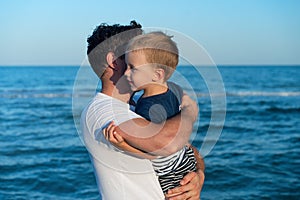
(103, 110)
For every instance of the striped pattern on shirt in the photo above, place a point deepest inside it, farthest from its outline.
(171, 172)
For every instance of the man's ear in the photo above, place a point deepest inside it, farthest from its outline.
(110, 59)
(159, 74)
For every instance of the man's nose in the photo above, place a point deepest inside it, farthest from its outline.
(127, 71)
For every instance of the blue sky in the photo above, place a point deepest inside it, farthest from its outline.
(54, 32)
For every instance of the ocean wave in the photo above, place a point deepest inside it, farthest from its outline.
(262, 93)
(25, 95)
(43, 95)
(276, 109)
(250, 93)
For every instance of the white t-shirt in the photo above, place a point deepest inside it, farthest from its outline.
(119, 176)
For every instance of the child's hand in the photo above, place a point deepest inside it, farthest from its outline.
(112, 136)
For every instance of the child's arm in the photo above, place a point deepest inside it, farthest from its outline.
(118, 141)
(161, 139)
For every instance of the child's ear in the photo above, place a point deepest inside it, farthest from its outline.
(159, 74)
(110, 59)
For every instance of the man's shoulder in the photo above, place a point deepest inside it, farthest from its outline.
(102, 103)
(175, 90)
(105, 108)
(103, 99)
(174, 87)
(98, 101)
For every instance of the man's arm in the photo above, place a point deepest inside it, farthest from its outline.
(200, 161)
(161, 139)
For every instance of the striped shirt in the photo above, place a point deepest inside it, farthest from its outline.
(172, 169)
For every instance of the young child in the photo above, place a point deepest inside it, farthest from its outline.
(151, 59)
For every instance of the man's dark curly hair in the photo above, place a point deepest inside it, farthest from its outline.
(109, 38)
(105, 31)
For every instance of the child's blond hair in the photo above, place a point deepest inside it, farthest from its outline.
(158, 48)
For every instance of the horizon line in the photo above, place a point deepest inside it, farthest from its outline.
(179, 65)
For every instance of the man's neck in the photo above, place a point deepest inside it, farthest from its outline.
(113, 92)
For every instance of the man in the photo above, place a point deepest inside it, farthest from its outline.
(118, 174)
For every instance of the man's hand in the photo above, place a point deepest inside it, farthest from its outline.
(190, 188)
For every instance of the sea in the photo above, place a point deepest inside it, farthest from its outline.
(255, 154)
